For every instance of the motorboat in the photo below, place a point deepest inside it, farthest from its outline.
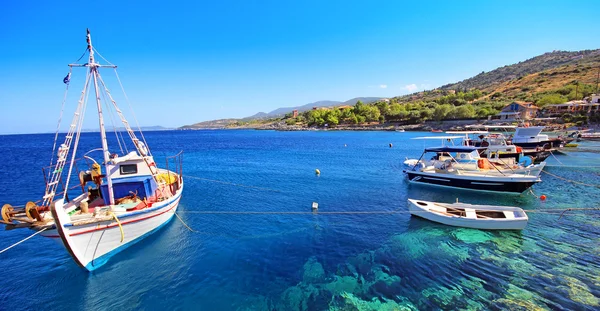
(461, 167)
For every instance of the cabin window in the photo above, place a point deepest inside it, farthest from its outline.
(127, 169)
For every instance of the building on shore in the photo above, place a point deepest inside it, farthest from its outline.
(518, 110)
(588, 105)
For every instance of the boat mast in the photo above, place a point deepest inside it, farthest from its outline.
(94, 72)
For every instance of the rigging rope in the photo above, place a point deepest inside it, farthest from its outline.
(132, 112)
(62, 109)
(25, 239)
(82, 55)
(128, 103)
(78, 131)
(112, 121)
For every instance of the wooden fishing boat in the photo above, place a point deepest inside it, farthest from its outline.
(116, 208)
(489, 217)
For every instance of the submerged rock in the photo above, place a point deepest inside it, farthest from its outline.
(313, 271)
(519, 299)
(460, 252)
(347, 301)
(297, 297)
(472, 235)
(580, 292)
(342, 284)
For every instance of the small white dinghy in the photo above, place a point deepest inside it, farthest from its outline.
(489, 217)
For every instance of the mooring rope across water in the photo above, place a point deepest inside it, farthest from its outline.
(556, 211)
(570, 180)
(25, 239)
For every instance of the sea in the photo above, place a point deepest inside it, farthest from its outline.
(371, 255)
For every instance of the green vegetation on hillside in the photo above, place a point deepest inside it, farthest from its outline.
(461, 105)
(438, 105)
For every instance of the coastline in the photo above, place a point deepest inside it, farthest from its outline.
(422, 127)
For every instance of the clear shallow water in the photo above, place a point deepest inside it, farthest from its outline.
(313, 262)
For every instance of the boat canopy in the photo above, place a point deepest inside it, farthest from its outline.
(439, 137)
(467, 132)
(452, 149)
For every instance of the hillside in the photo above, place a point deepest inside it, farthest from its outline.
(551, 78)
(280, 112)
(487, 80)
(263, 117)
(213, 124)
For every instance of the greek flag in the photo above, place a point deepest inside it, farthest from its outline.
(67, 78)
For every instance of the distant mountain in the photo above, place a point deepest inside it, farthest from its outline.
(213, 124)
(280, 112)
(539, 63)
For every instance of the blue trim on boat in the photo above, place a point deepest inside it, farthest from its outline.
(100, 261)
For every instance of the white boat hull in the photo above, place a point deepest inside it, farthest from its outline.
(91, 245)
(430, 211)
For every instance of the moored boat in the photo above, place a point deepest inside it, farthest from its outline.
(466, 170)
(496, 145)
(490, 217)
(131, 199)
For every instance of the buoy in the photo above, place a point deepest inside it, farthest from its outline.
(390, 145)
(345, 145)
(317, 172)
(315, 206)
(543, 197)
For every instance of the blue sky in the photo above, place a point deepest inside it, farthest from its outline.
(185, 62)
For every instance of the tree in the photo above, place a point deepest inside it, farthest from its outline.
(440, 112)
(395, 109)
(426, 114)
(551, 99)
(331, 118)
(383, 107)
(465, 112)
(315, 117)
(371, 113)
(414, 116)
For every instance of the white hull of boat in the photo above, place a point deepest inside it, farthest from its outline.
(91, 245)
(516, 219)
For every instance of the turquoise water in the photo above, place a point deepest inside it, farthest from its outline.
(306, 261)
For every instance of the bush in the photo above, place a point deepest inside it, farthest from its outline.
(551, 99)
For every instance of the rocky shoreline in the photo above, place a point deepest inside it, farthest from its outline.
(280, 126)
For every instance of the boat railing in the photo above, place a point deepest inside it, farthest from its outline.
(177, 164)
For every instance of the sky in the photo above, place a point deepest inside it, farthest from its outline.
(182, 62)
